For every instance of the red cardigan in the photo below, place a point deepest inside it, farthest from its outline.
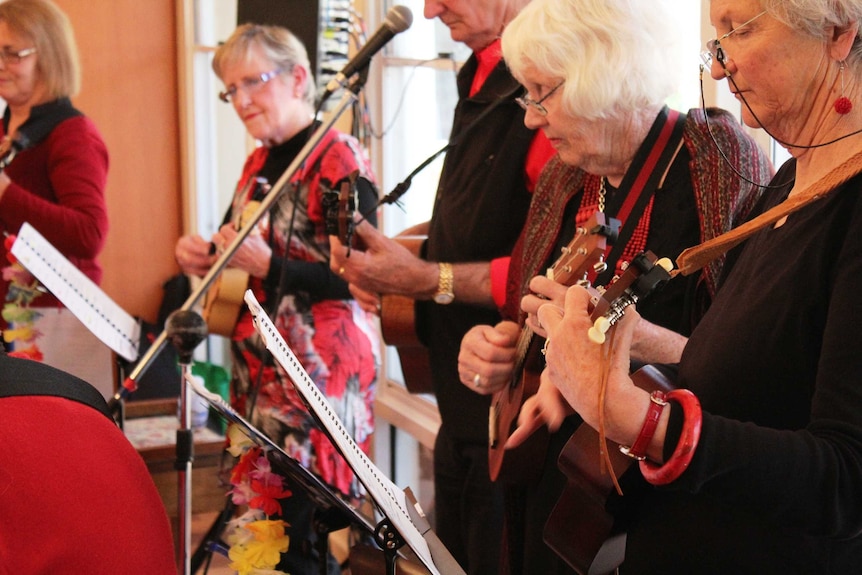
(58, 186)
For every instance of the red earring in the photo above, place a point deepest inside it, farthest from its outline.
(842, 105)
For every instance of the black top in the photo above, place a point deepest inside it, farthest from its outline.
(480, 208)
(775, 485)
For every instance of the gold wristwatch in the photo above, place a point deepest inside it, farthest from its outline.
(445, 285)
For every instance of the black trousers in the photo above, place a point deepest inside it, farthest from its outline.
(468, 506)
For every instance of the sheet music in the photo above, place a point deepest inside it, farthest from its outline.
(391, 500)
(99, 313)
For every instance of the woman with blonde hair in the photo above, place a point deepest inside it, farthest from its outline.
(269, 84)
(54, 161)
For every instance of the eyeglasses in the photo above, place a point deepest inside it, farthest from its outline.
(249, 85)
(8, 56)
(526, 102)
(714, 51)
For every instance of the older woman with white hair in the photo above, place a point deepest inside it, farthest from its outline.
(597, 74)
(754, 464)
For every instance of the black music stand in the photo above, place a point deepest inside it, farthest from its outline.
(332, 513)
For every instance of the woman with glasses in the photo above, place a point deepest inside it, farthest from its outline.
(268, 81)
(597, 74)
(53, 161)
(754, 465)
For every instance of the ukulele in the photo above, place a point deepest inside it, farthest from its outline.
(580, 528)
(397, 313)
(224, 299)
(584, 254)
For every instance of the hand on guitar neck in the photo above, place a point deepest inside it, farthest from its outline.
(514, 381)
(253, 255)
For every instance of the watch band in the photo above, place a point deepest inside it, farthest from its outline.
(445, 284)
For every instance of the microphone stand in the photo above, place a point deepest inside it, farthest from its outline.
(130, 385)
(186, 329)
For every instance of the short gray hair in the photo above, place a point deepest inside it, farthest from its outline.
(615, 56)
(279, 44)
(814, 17)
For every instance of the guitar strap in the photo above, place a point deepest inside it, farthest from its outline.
(694, 258)
(42, 120)
(640, 185)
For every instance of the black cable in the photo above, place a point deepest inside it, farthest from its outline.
(721, 60)
(720, 151)
(399, 190)
(403, 96)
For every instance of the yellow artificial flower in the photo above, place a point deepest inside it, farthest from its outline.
(264, 552)
(269, 530)
(238, 440)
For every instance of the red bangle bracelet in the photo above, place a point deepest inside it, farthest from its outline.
(678, 462)
(638, 449)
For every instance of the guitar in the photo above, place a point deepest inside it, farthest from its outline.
(398, 327)
(580, 529)
(224, 299)
(582, 255)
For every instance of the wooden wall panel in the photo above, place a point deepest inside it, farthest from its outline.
(129, 88)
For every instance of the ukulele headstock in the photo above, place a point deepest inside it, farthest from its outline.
(643, 275)
(583, 258)
(339, 206)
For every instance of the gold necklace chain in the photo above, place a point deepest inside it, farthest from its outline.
(602, 193)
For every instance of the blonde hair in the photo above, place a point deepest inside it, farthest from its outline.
(279, 44)
(50, 31)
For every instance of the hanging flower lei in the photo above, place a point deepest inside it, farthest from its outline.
(256, 541)
(23, 289)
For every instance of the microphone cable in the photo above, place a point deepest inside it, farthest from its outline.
(399, 190)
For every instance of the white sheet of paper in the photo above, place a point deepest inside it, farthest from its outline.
(99, 313)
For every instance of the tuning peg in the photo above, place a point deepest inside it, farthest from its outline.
(599, 329)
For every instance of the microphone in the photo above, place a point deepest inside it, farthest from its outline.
(398, 19)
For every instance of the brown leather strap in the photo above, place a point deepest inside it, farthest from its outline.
(694, 258)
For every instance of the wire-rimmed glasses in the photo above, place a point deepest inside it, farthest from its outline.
(714, 51)
(8, 56)
(249, 85)
(526, 102)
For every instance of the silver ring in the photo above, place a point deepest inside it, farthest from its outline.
(477, 381)
(545, 347)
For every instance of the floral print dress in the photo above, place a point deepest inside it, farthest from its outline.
(336, 342)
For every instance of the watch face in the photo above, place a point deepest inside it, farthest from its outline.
(444, 298)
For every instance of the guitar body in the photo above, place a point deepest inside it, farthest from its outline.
(398, 327)
(224, 300)
(580, 529)
(523, 464)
